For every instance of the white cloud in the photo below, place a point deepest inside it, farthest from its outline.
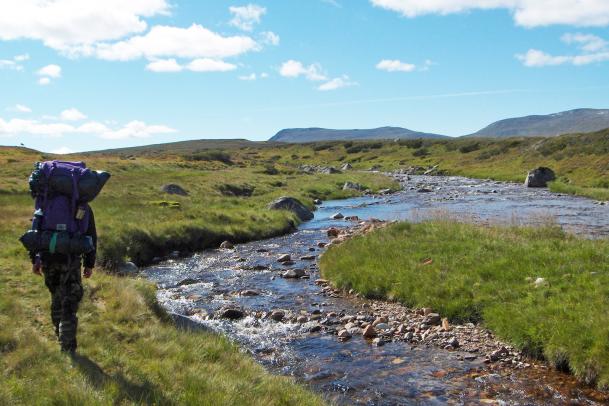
(72, 115)
(44, 81)
(527, 13)
(336, 83)
(210, 65)
(195, 41)
(62, 24)
(51, 71)
(137, 129)
(62, 151)
(587, 42)
(196, 65)
(264, 75)
(164, 65)
(250, 77)
(394, 65)
(270, 38)
(294, 69)
(593, 49)
(20, 108)
(133, 129)
(15, 63)
(245, 17)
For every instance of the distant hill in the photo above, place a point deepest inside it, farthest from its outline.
(299, 135)
(180, 147)
(566, 122)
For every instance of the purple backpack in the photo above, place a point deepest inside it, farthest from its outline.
(58, 204)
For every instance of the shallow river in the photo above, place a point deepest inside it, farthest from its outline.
(355, 371)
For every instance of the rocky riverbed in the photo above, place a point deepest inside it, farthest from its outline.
(269, 297)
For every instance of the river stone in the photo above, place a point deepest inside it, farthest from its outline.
(227, 245)
(382, 326)
(352, 186)
(433, 318)
(378, 342)
(187, 281)
(333, 232)
(344, 335)
(424, 190)
(174, 189)
(232, 314)
(317, 202)
(302, 319)
(284, 258)
(293, 205)
(250, 292)
(539, 177)
(369, 332)
(294, 273)
(128, 268)
(277, 315)
(337, 216)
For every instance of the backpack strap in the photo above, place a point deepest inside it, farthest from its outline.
(75, 178)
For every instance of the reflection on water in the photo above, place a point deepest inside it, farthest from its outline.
(355, 371)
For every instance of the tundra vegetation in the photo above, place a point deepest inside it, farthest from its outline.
(131, 352)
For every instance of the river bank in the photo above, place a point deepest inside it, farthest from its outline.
(292, 325)
(533, 287)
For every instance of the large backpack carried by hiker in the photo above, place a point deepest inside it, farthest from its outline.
(62, 191)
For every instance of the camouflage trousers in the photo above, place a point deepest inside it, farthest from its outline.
(65, 284)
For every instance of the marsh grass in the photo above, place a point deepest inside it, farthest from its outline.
(486, 274)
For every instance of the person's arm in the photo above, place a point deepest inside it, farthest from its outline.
(89, 258)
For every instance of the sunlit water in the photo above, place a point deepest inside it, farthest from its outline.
(356, 371)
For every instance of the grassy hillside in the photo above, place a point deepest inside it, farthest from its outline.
(490, 274)
(130, 352)
(581, 161)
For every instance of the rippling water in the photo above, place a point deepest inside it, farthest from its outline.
(355, 371)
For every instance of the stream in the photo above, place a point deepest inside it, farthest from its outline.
(304, 344)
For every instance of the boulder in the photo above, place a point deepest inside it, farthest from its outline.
(293, 205)
(174, 189)
(227, 245)
(128, 268)
(352, 186)
(317, 202)
(539, 177)
(346, 167)
(337, 216)
(329, 170)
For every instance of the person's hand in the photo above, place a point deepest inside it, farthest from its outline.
(88, 272)
(37, 269)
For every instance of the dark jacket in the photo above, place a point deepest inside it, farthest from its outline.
(88, 259)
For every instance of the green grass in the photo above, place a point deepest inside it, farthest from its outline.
(130, 352)
(487, 274)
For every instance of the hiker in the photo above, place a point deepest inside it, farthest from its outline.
(63, 237)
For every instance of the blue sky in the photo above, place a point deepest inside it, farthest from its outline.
(83, 75)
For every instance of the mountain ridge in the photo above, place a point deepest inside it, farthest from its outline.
(312, 134)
